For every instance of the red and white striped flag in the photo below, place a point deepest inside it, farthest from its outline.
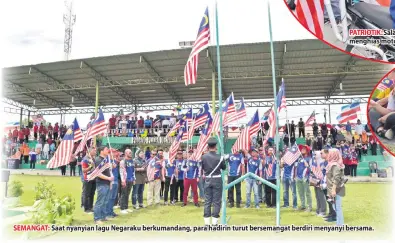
(311, 119)
(204, 137)
(229, 111)
(201, 43)
(310, 14)
(105, 164)
(243, 141)
(64, 153)
(241, 110)
(291, 155)
(77, 131)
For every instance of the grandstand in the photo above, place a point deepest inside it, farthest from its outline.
(153, 81)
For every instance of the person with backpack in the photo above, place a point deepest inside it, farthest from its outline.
(335, 183)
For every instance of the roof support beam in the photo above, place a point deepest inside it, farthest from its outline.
(41, 76)
(12, 110)
(350, 62)
(17, 104)
(105, 80)
(214, 70)
(155, 75)
(37, 96)
(197, 105)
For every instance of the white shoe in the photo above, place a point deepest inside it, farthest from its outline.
(389, 134)
(124, 212)
(30, 169)
(206, 221)
(130, 210)
(214, 221)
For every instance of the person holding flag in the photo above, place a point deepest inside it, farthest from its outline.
(236, 169)
(140, 167)
(115, 160)
(89, 187)
(169, 168)
(155, 176)
(127, 173)
(103, 181)
(179, 175)
(254, 165)
(192, 174)
(288, 164)
(270, 176)
(316, 179)
(302, 177)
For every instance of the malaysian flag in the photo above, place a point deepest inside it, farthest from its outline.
(349, 112)
(291, 155)
(188, 126)
(385, 84)
(311, 119)
(310, 14)
(201, 43)
(175, 145)
(244, 139)
(315, 168)
(64, 152)
(229, 111)
(202, 116)
(281, 103)
(269, 170)
(77, 131)
(241, 110)
(105, 164)
(96, 127)
(204, 137)
(157, 123)
(266, 115)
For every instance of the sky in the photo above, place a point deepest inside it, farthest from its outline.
(34, 32)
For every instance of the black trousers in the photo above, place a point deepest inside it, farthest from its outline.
(212, 197)
(63, 170)
(118, 198)
(89, 194)
(35, 136)
(346, 170)
(301, 132)
(353, 170)
(55, 135)
(292, 133)
(72, 170)
(162, 188)
(170, 185)
(332, 212)
(238, 191)
(26, 158)
(179, 186)
(374, 148)
(125, 192)
(32, 164)
(270, 195)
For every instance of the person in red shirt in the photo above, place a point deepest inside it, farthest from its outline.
(21, 135)
(56, 131)
(112, 122)
(35, 130)
(49, 140)
(27, 133)
(50, 130)
(15, 135)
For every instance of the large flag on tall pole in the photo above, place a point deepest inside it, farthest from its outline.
(310, 14)
(281, 103)
(64, 152)
(202, 42)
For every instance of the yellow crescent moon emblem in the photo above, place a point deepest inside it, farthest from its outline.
(206, 20)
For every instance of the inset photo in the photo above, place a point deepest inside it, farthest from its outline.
(363, 28)
(381, 112)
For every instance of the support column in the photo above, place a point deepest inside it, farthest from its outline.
(96, 108)
(20, 118)
(61, 119)
(28, 117)
(330, 119)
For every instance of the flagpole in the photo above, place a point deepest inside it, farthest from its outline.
(96, 108)
(286, 121)
(276, 139)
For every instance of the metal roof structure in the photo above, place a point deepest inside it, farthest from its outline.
(154, 80)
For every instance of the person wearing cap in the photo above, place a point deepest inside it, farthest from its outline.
(192, 174)
(169, 169)
(103, 182)
(155, 176)
(127, 173)
(140, 167)
(236, 169)
(114, 187)
(179, 175)
(254, 165)
(89, 187)
(212, 164)
(270, 176)
(302, 177)
(288, 180)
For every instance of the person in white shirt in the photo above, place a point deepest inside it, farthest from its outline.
(173, 120)
(359, 128)
(166, 154)
(46, 151)
(39, 150)
(166, 123)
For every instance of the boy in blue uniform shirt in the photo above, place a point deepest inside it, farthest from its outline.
(302, 178)
(254, 165)
(169, 170)
(114, 186)
(270, 175)
(127, 174)
(179, 161)
(192, 174)
(236, 168)
(288, 181)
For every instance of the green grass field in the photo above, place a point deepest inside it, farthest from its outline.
(364, 205)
